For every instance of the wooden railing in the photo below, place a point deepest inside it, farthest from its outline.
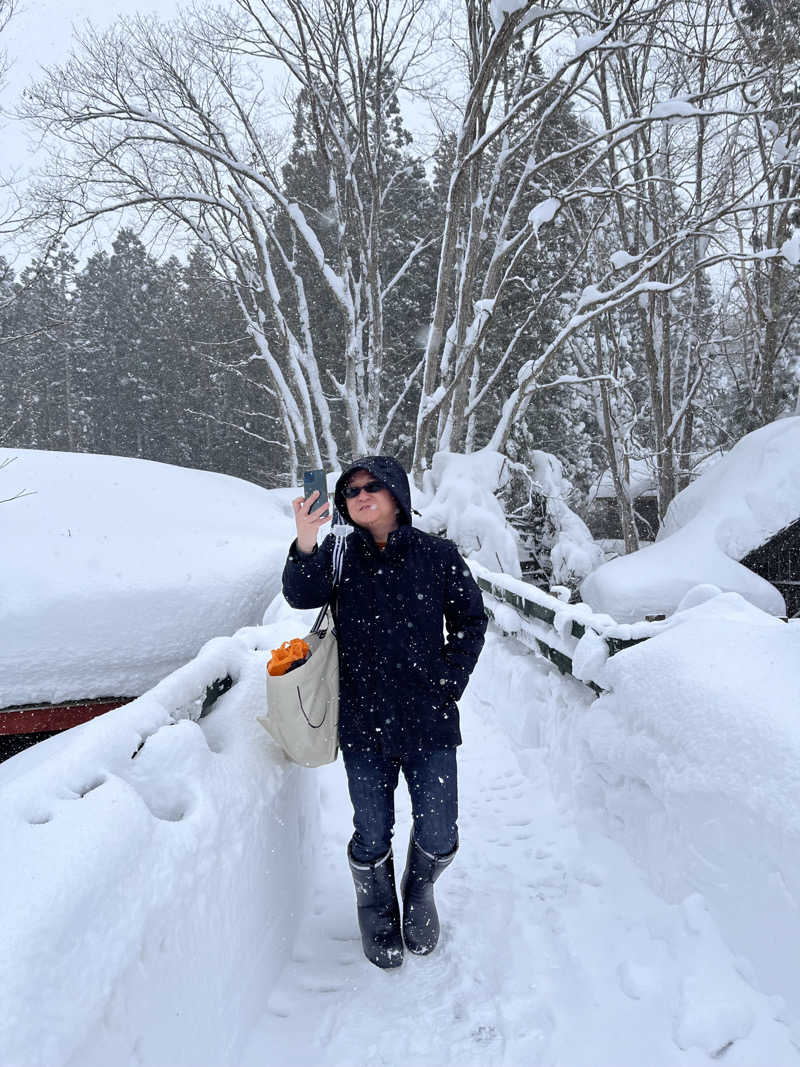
(554, 628)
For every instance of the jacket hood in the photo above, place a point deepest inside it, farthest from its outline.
(388, 471)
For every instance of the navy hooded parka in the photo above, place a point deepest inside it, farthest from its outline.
(399, 678)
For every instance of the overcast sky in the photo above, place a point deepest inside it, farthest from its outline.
(39, 35)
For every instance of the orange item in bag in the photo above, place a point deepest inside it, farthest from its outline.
(288, 655)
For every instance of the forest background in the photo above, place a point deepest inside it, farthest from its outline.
(595, 253)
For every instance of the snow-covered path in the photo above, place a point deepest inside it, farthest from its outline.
(553, 950)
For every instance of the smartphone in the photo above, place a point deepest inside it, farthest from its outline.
(315, 480)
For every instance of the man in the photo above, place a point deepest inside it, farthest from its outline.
(399, 682)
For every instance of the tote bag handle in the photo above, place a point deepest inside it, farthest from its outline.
(340, 532)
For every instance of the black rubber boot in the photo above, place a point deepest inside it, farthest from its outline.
(420, 919)
(378, 910)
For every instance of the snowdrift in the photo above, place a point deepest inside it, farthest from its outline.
(116, 571)
(159, 864)
(155, 869)
(691, 761)
(742, 501)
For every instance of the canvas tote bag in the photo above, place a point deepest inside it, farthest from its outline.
(303, 704)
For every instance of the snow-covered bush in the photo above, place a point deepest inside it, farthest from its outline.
(564, 535)
(499, 511)
(460, 499)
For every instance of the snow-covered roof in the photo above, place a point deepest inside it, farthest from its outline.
(644, 477)
(737, 505)
(643, 481)
(115, 571)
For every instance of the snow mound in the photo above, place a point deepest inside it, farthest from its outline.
(159, 863)
(751, 494)
(691, 762)
(116, 571)
(748, 496)
(459, 499)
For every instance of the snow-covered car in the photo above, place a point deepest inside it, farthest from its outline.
(115, 572)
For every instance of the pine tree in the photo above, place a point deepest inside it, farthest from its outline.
(42, 387)
(231, 420)
(556, 420)
(407, 214)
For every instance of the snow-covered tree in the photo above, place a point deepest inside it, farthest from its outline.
(408, 211)
(670, 173)
(169, 120)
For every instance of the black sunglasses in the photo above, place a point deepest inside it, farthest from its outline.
(350, 492)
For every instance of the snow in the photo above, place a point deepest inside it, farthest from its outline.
(458, 499)
(627, 890)
(622, 259)
(574, 552)
(692, 762)
(335, 283)
(435, 398)
(590, 294)
(543, 213)
(674, 109)
(588, 41)
(555, 949)
(643, 478)
(145, 890)
(790, 250)
(739, 503)
(116, 570)
(780, 149)
(498, 9)
(525, 372)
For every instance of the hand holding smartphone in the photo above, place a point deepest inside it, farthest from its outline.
(310, 514)
(315, 480)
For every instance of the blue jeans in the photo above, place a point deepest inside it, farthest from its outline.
(433, 786)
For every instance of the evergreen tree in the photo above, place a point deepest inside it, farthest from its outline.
(230, 414)
(556, 420)
(407, 214)
(42, 387)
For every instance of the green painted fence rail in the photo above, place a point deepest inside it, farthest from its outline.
(544, 614)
